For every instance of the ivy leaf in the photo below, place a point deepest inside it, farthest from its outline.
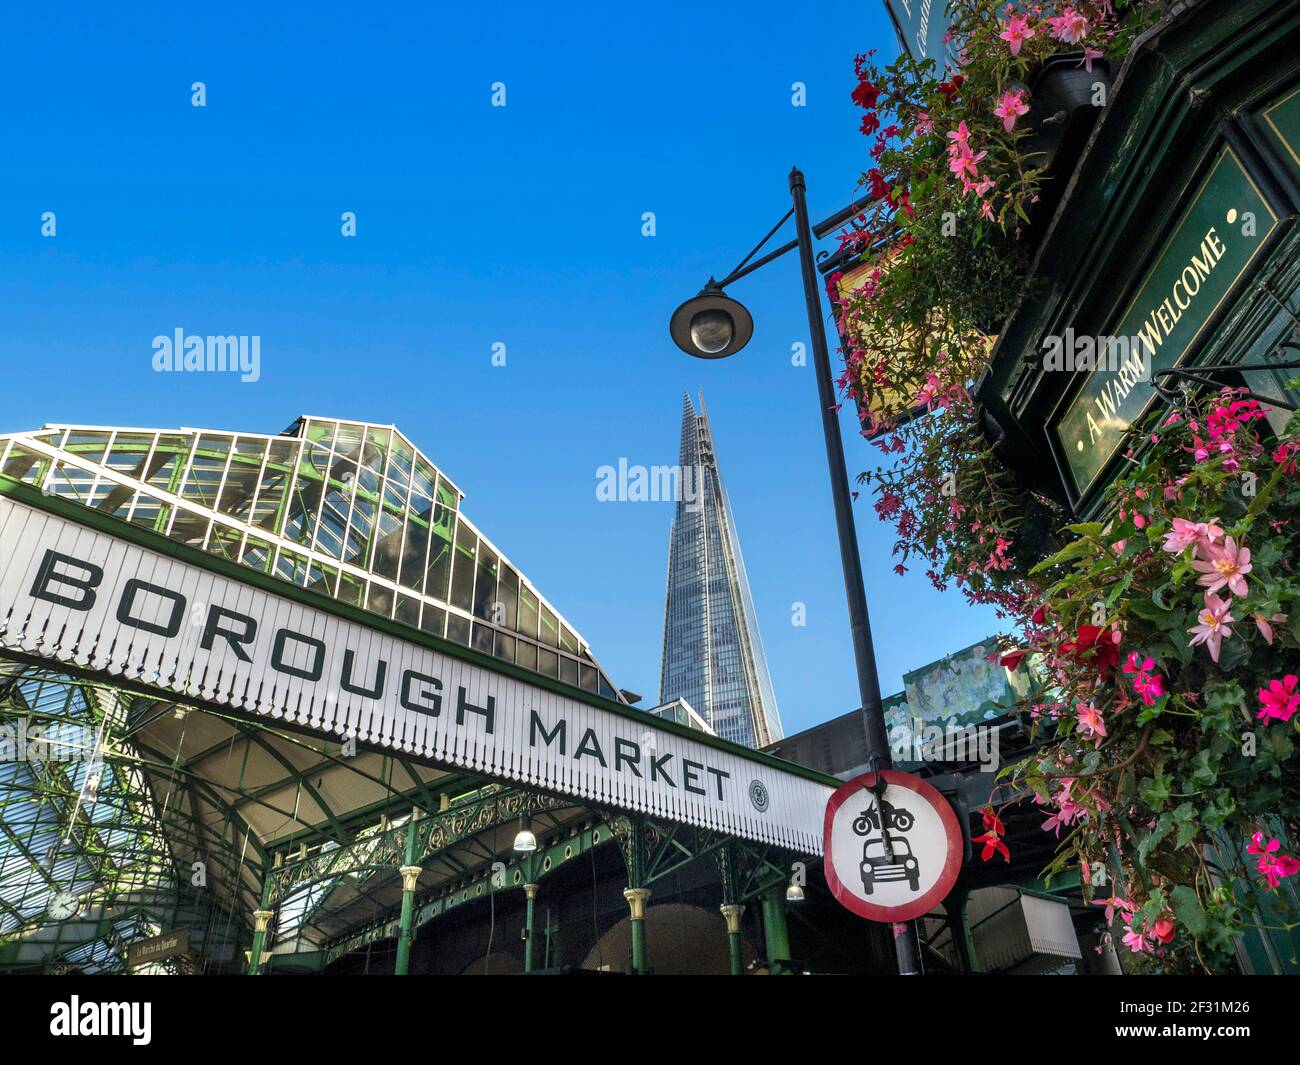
(1158, 790)
(1187, 908)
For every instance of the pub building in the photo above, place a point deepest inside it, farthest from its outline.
(1169, 262)
(1170, 259)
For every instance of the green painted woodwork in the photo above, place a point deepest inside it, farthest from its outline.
(408, 900)
(1165, 163)
(776, 934)
(1281, 122)
(1223, 228)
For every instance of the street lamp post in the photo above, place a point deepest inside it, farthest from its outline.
(711, 326)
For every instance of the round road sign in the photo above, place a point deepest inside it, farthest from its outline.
(902, 876)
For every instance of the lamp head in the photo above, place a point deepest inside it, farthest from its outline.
(711, 325)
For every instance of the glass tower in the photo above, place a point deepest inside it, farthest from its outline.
(713, 655)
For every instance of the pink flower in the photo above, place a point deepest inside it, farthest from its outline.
(1265, 625)
(1011, 107)
(964, 163)
(960, 137)
(1113, 904)
(1185, 534)
(1089, 54)
(1090, 720)
(1070, 26)
(1214, 624)
(1136, 941)
(1280, 700)
(1225, 565)
(1016, 32)
(928, 391)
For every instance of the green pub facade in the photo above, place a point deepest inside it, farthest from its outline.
(1172, 257)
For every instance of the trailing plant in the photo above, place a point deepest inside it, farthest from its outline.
(939, 260)
(1169, 638)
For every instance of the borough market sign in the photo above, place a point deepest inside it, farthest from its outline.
(106, 603)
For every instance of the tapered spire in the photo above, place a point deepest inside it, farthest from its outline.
(713, 654)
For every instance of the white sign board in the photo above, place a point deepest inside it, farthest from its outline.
(891, 856)
(77, 595)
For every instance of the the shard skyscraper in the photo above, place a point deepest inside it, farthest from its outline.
(713, 655)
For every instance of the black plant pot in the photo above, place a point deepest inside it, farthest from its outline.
(1061, 115)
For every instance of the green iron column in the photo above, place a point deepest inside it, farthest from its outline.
(261, 921)
(732, 912)
(775, 933)
(410, 877)
(530, 893)
(637, 897)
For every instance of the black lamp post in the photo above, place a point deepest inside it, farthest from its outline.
(712, 326)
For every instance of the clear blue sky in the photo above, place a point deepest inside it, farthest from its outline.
(475, 225)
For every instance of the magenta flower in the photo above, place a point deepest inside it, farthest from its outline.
(1016, 32)
(1011, 107)
(1280, 700)
(1222, 565)
(1148, 684)
(1273, 865)
(1214, 624)
(1070, 26)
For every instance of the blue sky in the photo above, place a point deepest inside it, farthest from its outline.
(476, 225)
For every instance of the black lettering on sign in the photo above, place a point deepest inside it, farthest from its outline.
(590, 746)
(129, 593)
(431, 701)
(690, 777)
(720, 776)
(657, 769)
(488, 712)
(535, 726)
(47, 575)
(314, 671)
(346, 680)
(212, 629)
(620, 747)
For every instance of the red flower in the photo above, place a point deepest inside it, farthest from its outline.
(1013, 659)
(993, 845)
(1094, 640)
(866, 94)
(951, 88)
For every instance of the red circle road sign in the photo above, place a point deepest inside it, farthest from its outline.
(914, 871)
